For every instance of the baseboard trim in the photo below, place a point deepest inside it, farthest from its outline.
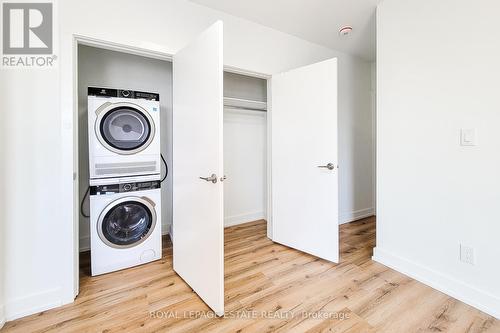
(457, 289)
(34, 303)
(165, 229)
(84, 244)
(2, 316)
(356, 215)
(243, 218)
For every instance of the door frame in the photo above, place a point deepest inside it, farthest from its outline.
(86, 40)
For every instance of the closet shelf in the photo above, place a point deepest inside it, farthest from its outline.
(244, 104)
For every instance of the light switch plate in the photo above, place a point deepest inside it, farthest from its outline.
(467, 137)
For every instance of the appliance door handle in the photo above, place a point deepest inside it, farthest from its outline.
(149, 200)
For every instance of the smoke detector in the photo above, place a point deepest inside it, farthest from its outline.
(345, 32)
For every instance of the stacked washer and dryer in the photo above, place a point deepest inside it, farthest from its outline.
(125, 178)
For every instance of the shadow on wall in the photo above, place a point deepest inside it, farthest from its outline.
(356, 145)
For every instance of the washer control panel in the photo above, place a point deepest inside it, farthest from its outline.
(124, 187)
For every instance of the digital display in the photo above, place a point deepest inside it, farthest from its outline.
(109, 92)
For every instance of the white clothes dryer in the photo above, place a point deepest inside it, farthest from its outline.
(123, 132)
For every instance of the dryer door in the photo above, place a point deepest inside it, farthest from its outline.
(126, 222)
(124, 128)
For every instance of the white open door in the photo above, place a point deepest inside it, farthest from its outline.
(198, 227)
(304, 159)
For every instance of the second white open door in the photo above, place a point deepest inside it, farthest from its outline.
(198, 220)
(305, 159)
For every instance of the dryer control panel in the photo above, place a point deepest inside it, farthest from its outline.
(123, 93)
(124, 187)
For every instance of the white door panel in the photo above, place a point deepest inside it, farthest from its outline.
(198, 234)
(304, 137)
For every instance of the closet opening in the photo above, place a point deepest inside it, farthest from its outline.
(125, 187)
(245, 149)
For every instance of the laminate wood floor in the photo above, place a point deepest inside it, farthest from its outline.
(268, 288)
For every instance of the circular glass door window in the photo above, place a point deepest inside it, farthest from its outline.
(126, 223)
(126, 129)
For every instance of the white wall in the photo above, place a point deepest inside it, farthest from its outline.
(245, 87)
(245, 166)
(437, 72)
(3, 191)
(373, 104)
(34, 254)
(104, 68)
(245, 150)
(355, 140)
(39, 168)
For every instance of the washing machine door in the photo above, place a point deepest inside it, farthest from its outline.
(126, 222)
(124, 128)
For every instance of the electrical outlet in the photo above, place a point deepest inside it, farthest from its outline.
(467, 254)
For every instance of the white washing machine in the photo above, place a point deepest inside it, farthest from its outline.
(125, 223)
(124, 133)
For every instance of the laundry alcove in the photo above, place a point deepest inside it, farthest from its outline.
(98, 67)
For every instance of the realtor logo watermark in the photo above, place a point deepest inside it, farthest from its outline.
(28, 34)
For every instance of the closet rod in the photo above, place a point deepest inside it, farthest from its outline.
(244, 108)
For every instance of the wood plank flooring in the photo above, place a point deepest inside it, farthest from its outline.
(268, 288)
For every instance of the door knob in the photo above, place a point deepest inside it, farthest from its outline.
(329, 166)
(212, 178)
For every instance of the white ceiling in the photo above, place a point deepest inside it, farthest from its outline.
(317, 21)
